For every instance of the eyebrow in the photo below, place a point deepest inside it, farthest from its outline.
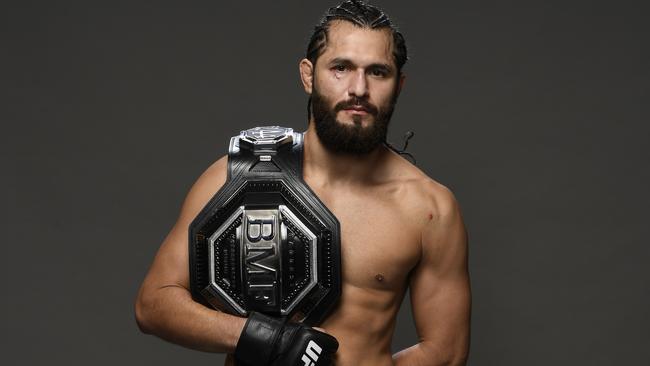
(348, 62)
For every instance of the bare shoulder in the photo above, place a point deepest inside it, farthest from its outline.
(422, 194)
(216, 172)
(205, 187)
(435, 215)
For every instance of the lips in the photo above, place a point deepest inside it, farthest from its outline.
(356, 105)
(357, 109)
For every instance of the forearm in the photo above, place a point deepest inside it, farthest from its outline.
(170, 313)
(427, 354)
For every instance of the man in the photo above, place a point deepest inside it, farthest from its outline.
(399, 228)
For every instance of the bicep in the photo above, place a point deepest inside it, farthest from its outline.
(170, 265)
(440, 292)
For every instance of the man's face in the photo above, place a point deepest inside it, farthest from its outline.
(355, 87)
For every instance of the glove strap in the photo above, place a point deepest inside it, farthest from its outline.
(258, 339)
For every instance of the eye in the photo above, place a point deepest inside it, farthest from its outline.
(339, 68)
(379, 73)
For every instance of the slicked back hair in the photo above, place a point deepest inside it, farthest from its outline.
(360, 14)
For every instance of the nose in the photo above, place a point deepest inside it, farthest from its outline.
(358, 84)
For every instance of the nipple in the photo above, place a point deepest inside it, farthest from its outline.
(379, 277)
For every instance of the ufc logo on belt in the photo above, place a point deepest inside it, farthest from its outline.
(311, 354)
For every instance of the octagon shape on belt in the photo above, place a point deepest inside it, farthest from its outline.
(265, 242)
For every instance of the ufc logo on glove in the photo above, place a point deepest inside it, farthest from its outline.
(311, 354)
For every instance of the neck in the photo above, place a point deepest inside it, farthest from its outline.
(330, 167)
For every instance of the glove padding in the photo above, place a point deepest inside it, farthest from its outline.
(267, 341)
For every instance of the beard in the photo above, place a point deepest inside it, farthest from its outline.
(354, 139)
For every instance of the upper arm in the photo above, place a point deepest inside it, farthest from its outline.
(440, 292)
(171, 264)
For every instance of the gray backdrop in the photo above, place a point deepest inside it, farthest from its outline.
(534, 113)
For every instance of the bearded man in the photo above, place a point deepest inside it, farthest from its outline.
(399, 229)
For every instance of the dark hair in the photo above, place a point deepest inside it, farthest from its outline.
(363, 15)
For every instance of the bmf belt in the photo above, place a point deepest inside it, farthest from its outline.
(265, 242)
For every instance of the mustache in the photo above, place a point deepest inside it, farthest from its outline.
(356, 102)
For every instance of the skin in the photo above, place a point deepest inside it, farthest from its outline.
(399, 229)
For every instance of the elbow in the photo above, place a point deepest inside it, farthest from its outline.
(143, 311)
(450, 355)
(458, 357)
(460, 360)
(453, 359)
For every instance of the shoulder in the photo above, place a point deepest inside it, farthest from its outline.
(205, 187)
(439, 199)
(443, 235)
(420, 192)
(217, 171)
(213, 177)
(431, 206)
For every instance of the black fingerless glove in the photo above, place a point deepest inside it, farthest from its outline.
(267, 341)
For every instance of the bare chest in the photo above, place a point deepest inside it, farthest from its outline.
(379, 241)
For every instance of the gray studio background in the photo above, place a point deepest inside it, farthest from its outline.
(534, 113)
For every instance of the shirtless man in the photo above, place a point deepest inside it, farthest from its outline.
(399, 228)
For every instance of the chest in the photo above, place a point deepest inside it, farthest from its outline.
(379, 242)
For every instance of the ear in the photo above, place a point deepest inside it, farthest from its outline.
(306, 74)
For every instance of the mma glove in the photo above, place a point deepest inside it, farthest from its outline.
(267, 341)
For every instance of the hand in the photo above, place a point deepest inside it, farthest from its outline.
(266, 341)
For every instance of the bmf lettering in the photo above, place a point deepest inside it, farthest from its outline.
(261, 258)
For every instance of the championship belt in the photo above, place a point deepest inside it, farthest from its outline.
(265, 242)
